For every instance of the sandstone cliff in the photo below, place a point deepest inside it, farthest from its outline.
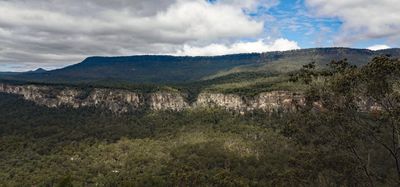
(120, 101)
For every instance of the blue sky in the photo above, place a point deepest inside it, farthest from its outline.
(297, 21)
(55, 33)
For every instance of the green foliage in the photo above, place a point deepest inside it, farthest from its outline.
(244, 84)
(358, 124)
(347, 135)
(85, 147)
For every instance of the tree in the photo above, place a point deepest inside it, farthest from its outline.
(360, 120)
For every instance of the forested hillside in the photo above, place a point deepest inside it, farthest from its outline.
(153, 69)
(336, 144)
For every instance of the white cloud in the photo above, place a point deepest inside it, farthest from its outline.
(184, 20)
(199, 20)
(239, 47)
(53, 33)
(378, 47)
(362, 19)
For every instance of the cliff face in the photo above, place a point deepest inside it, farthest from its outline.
(167, 101)
(276, 101)
(114, 100)
(121, 101)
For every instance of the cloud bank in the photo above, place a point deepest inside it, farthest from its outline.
(240, 47)
(53, 33)
(362, 19)
(378, 47)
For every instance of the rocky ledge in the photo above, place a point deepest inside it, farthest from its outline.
(121, 101)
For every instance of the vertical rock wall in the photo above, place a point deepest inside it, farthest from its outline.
(123, 101)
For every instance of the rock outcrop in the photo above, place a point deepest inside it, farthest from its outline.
(121, 101)
(167, 101)
(275, 101)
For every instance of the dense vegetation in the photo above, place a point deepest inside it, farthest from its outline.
(339, 144)
(44, 146)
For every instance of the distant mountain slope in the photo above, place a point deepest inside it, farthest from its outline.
(12, 74)
(171, 69)
(287, 61)
(39, 70)
(144, 69)
(8, 73)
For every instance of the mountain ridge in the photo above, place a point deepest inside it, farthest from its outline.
(167, 69)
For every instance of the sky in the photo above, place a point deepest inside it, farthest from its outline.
(54, 33)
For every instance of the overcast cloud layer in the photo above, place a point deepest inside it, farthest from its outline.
(55, 33)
